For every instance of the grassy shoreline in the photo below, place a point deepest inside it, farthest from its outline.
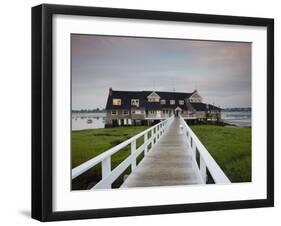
(87, 144)
(229, 146)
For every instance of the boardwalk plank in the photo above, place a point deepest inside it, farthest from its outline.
(169, 162)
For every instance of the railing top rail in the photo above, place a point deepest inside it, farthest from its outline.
(92, 162)
(214, 169)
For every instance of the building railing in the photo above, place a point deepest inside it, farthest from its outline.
(108, 175)
(206, 161)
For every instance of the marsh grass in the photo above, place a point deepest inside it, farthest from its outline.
(87, 144)
(230, 147)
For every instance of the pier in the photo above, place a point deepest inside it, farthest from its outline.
(173, 155)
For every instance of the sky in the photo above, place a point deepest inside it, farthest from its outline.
(220, 71)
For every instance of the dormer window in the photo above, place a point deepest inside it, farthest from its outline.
(181, 102)
(162, 101)
(116, 101)
(172, 102)
(135, 102)
(153, 97)
(153, 100)
(195, 97)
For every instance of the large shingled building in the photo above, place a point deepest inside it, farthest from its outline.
(146, 107)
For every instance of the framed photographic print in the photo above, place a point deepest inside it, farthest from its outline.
(145, 112)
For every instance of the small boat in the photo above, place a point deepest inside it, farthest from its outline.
(89, 121)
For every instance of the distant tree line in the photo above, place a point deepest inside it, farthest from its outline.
(248, 109)
(96, 110)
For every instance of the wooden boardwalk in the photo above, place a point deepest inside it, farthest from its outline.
(169, 163)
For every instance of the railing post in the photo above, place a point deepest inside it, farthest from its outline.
(194, 148)
(203, 170)
(152, 137)
(106, 169)
(157, 132)
(133, 150)
(146, 145)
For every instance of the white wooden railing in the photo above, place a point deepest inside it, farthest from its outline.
(108, 175)
(206, 160)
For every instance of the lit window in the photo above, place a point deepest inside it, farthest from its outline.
(163, 101)
(125, 112)
(181, 102)
(113, 112)
(135, 102)
(172, 102)
(116, 101)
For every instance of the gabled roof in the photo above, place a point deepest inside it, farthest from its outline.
(153, 94)
(195, 94)
(126, 97)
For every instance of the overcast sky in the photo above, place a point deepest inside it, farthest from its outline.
(220, 71)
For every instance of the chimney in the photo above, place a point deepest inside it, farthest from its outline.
(110, 91)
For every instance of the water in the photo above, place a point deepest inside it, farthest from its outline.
(238, 118)
(79, 121)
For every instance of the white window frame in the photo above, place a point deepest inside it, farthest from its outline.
(126, 111)
(153, 99)
(116, 112)
(135, 102)
(181, 102)
(163, 101)
(195, 100)
(174, 102)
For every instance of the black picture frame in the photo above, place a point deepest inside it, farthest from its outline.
(42, 111)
